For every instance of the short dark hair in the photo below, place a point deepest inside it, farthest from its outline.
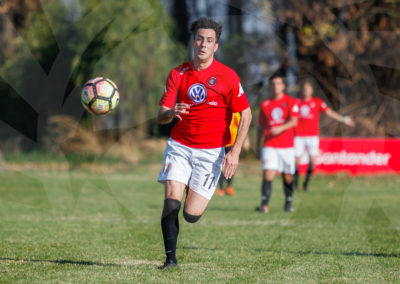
(277, 75)
(306, 81)
(206, 23)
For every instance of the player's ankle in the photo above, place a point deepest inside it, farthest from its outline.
(171, 256)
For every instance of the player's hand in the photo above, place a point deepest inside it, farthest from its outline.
(231, 161)
(348, 120)
(276, 130)
(180, 108)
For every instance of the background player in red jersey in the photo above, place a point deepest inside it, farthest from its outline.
(202, 94)
(277, 119)
(307, 129)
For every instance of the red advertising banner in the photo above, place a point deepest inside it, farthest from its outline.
(357, 156)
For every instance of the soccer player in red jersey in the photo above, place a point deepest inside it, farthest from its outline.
(307, 129)
(202, 94)
(277, 119)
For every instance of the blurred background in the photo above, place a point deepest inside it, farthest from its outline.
(49, 49)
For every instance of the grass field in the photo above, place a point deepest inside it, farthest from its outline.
(61, 226)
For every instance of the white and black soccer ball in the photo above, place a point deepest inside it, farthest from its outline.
(100, 95)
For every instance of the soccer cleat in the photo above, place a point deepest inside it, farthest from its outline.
(262, 208)
(220, 192)
(305, 186)
(288, 207)
(169, 263)
(229, 190)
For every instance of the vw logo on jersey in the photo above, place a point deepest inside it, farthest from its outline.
(197, 93)
(277, 114)
(304, 110)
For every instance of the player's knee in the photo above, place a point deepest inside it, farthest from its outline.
(190, 218)
(170, 206)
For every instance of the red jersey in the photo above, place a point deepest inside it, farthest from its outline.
(275, 113)
(213, 95)
(308, 123)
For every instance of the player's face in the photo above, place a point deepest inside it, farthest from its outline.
(278, 86)
(205, 44)
(307, 91)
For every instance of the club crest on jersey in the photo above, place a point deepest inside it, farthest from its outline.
(212, 81)
(304, 110)
(197, 93)
(277, 114)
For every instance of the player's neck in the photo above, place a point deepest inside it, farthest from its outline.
(278, 96)
(307, 99)
(201, 65)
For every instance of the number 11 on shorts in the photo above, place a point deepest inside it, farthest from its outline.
(211, 178)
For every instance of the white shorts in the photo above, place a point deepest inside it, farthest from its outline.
(197, 168)
(278, 159)
(306, 143)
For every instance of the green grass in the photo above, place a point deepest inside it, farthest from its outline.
(48, 157)
(84, 227)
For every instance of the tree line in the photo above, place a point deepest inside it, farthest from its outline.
(50, 49)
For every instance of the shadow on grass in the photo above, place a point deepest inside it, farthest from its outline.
(60, 261)
(356, 253)
(388, 255)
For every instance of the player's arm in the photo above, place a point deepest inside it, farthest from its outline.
(231, 160)
(169, 109)
(346, 119)
(290, 123)
(166, 115)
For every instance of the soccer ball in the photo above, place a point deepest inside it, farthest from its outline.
(100, 95)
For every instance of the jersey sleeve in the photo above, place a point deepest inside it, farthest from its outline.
(323, 106)
(293, 108)
(238, 100)
(170, 94)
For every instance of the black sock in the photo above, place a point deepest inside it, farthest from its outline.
(296, 177)
(170, 226)
(229, 181)
(266, 190)
(309, 173)
(288, 188)
(221, 181)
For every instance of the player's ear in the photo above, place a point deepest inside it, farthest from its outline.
(216, 47)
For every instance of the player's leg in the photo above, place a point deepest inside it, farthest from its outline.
(299, 150)
(207, 165)
(269, 164)
(174, 191)
(310, 170)
(313, 150)
(229, 188)
(175, 175)
(288, 189)
(266, 190)
(287, 156)
(296, 174)
(220, 190)
(195, 204)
